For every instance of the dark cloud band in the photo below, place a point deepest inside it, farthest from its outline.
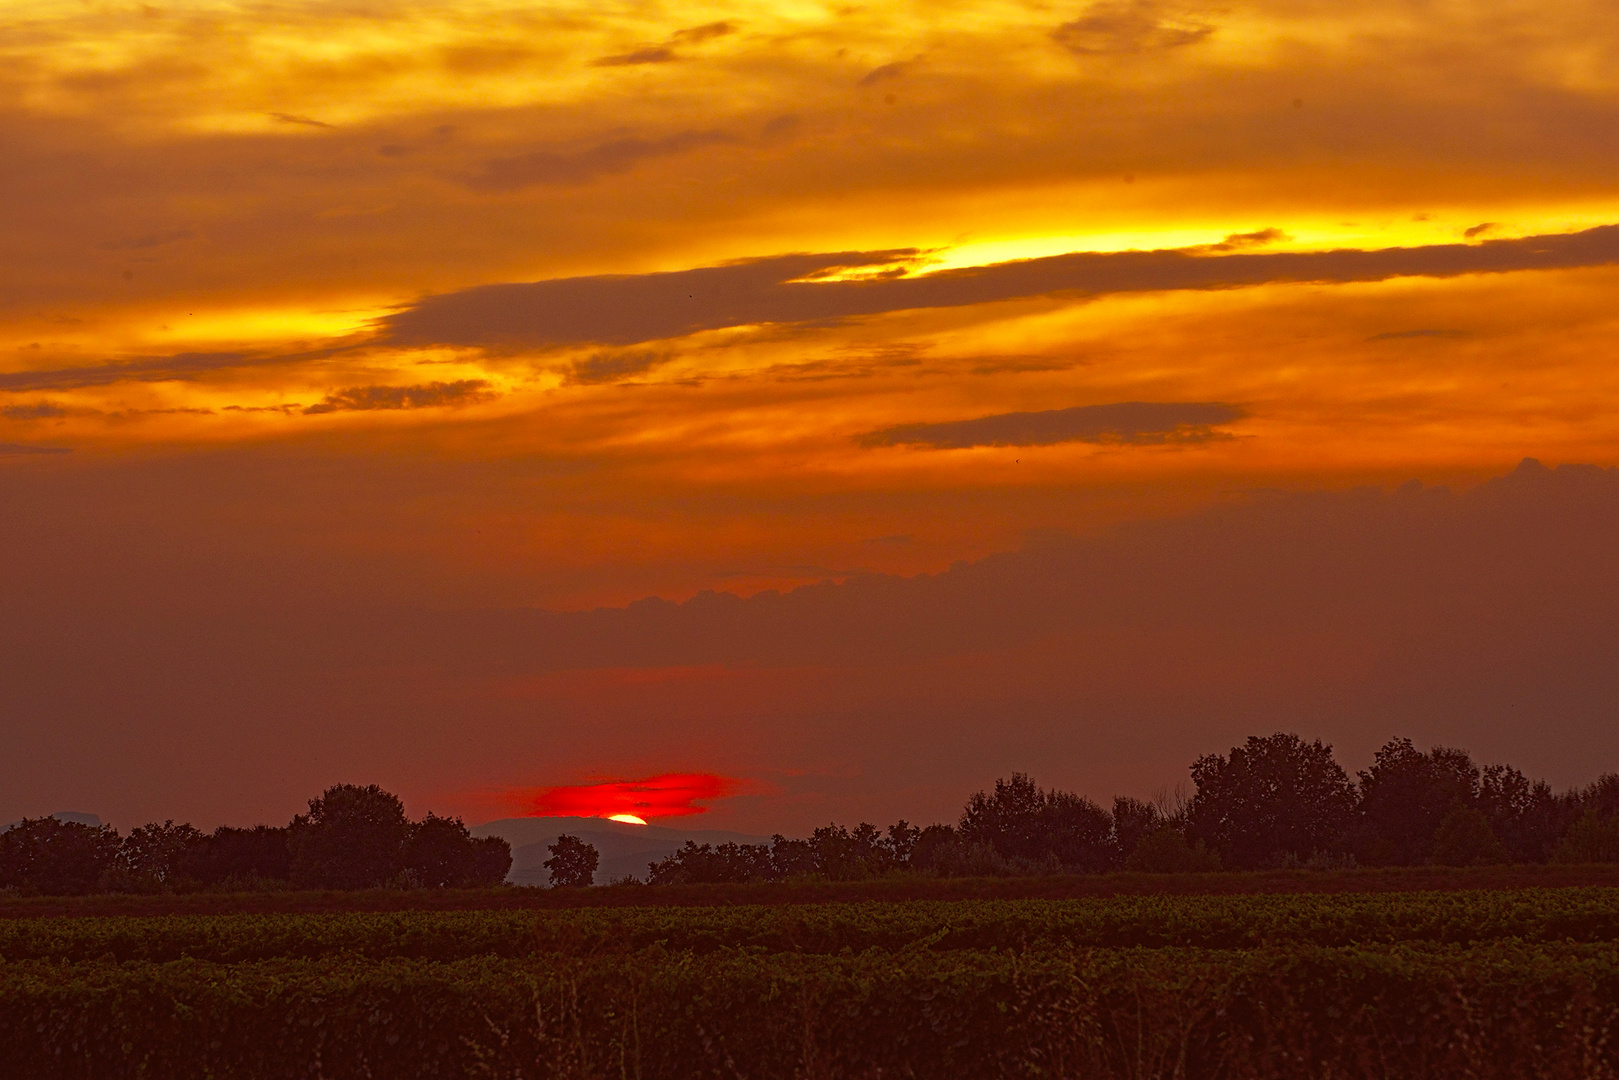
(1123, 422)
(626, 309)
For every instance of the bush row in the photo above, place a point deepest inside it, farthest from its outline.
(1579, 915)
(1502, 1010)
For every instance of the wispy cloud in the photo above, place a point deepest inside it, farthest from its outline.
(1123, 422)
(626, 309)
(561, 169)
(27, 448)
(1128, 28)
(420, 396)
(666, 52)
(37, 410)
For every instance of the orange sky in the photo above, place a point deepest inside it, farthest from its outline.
(471, 305)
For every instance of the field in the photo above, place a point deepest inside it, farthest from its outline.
(1505, 982)
(1085, 886)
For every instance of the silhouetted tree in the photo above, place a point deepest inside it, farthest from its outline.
(1079, 833)
(1040, 829)
(712, 864)
(842, 855)
(934, 849)
(441, 853)
(154, 856)
(1404, 797)
(57, 858)
(1527, 817)
(1271, 799)
(1591, 839)
(1132, 821)
(572, 863)
(492, 860)
(352, 838)
(901, 840)
(1165, 850)
(242, 858)
(1464, 838)
(791, 858)
(1007, 820)
(1600, 798)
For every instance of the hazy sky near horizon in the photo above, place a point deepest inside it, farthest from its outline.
(402, 320)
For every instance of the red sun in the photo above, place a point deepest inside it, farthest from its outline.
(666, 795)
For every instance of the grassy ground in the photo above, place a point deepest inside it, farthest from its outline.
(1388, 879)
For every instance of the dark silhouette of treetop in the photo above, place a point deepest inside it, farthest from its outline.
(1021, 822)
(1406, 794)
(56, 857)
(352, 838)
(572, 863)
(1271, 799)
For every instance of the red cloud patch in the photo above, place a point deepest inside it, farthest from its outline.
(666, 795)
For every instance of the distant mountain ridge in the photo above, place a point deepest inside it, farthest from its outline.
(625, 849)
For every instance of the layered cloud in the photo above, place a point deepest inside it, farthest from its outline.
(421, 396)
(391, 341)
(625, 309)
(1125, 422)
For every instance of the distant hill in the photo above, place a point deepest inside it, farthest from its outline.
(60, 815)
(625, 849)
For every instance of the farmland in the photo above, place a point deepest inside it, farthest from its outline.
(1470, 982)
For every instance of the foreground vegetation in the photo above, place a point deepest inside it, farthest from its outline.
(1483, 983)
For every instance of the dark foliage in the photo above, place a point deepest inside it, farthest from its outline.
(1133, 820)
(64, 858)
(1404, 797)
(1271, 800)
(154, 856)
(932, 848)
(1025, 825)
(241, 857)
(572, 863)
(440, 853)
(352, 838)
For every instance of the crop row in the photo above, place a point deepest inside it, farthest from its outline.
(1220, 922)
(1506, 1009)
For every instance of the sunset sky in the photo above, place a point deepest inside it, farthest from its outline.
(451, 395)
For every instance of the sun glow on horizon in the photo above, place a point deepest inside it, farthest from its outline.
(628, 819)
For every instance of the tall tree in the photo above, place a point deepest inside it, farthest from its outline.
(1019, 821)
(1404, 797)
(441, 853)
(572, 863)
(352, 838)
(154, 855)
(1270, 800)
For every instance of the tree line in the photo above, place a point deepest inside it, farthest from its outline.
(1273, 802)
(352, 838)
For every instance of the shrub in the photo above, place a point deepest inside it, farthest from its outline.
(1591, 839)
(1165, 851)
